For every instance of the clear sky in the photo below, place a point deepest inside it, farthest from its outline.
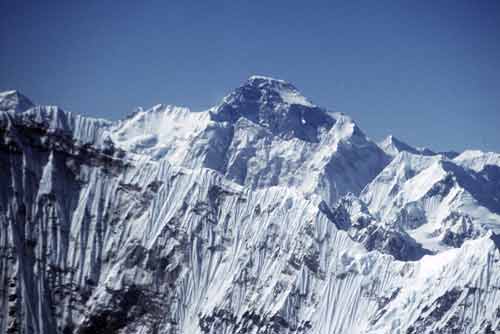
(426, 71)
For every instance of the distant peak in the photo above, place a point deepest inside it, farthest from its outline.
(261, 82)
(274, 90)
(392, 146)
(12, 94)
(13, 100)
(276, 105)
(261, 94)
(391, 139)
(261, 79)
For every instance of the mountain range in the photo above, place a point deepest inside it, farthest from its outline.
(263, 214)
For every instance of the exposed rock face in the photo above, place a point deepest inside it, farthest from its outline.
(241, 219)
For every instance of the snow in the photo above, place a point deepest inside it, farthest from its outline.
(216, 222)
(287, 92)
(477, 160)
(265, 78)
(162, 131)
(292, 97)
(430, 197)
(247, 151)
(12, 100)
(392, 146)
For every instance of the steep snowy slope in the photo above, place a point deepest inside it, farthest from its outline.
(163, 132)
(438, 202)
(168, 222)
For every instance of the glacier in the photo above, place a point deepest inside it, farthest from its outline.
(263, 214)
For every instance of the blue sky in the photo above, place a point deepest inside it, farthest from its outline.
(426, 71)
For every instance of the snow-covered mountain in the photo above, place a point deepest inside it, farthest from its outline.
(263, 214)
(392, 146)
(14, 101)
(477, 160)
(437, 201)
(263, 134)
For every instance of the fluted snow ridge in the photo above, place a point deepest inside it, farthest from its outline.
(85, 130)
(100, 237)
(162, 248)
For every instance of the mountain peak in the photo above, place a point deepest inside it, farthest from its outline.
(263, 78)
(392, 140)
(392, 146)
(477, 160)
(13, 100)
(276, 90)
(276, 105)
